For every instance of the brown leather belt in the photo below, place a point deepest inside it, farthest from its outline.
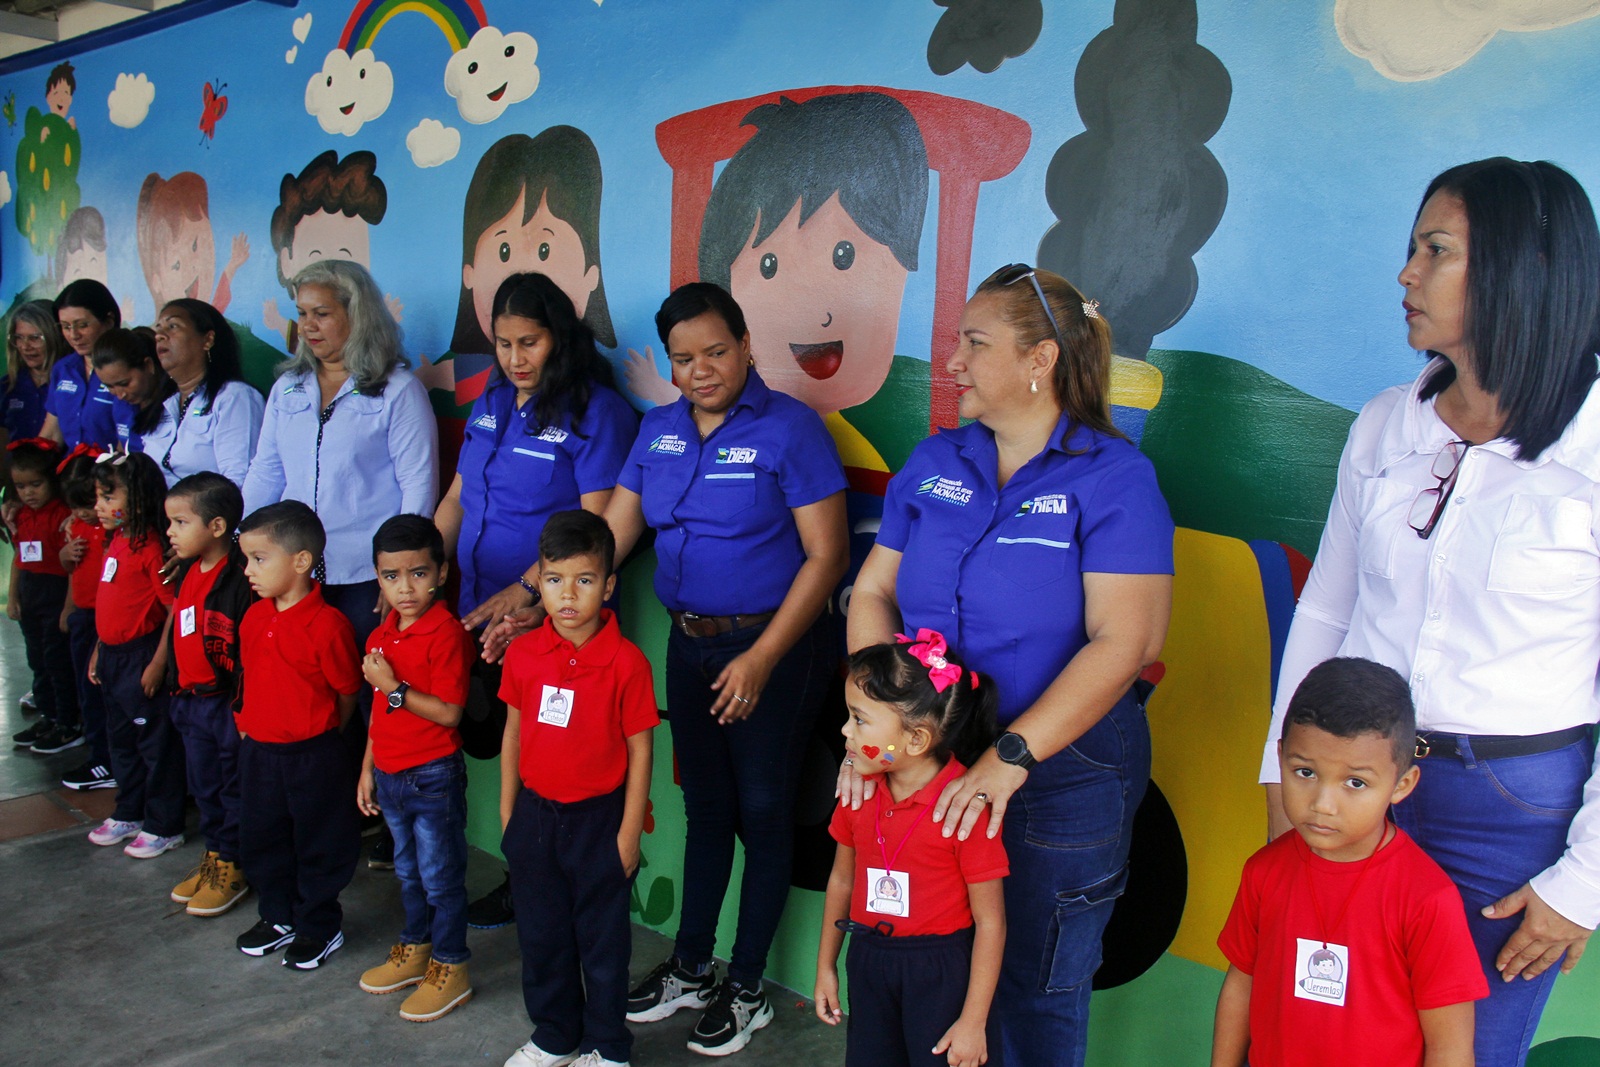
(711, 625)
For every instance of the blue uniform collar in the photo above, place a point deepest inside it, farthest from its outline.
(976, 441)
(754, 398)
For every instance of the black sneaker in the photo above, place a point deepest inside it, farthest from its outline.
(91, 775)
(26, 738)
(307, 953)
(264, 937)
(58, 738)
(494, 909)
(381, 856)
(730, 1021)
(668, 988)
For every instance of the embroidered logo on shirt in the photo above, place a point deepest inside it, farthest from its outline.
(948, 489)
(555, 435)
(736, 455)
(295, 387)
(485, 421)
(1049, 504)
(669, 443)
(66, 385)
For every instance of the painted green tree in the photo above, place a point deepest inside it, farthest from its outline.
(47, 180)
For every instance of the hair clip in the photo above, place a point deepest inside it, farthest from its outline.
(116, 457)
(928, 648)
(1091, 309)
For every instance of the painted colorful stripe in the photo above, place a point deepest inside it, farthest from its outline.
(458, 20)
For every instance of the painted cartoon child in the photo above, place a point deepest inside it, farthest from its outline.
(81, 253)
(59, 87)
(814, 225)
(533, 205)
(176, 248)
(325, 212)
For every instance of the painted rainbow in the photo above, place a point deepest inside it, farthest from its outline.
(458, 20)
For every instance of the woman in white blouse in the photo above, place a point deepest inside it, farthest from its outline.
(1461, 550)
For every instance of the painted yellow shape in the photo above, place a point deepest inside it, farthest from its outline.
(47, 179)
(854, 448)
(33, 162)
(66, 154)
(1207, 722)
(1134, 383)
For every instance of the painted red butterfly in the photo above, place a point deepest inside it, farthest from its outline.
(214, 106)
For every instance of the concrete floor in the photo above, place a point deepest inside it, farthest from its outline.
(99, 967)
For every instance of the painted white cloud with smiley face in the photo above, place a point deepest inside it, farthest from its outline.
(349, 91)
(491, 73)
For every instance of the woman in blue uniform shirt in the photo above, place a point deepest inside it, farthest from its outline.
(79, 406)
(125, 362)
(1037, 540)
(745, 490)
(32, 348)
(347, 430)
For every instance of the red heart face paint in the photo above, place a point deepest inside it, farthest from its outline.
(870, 751)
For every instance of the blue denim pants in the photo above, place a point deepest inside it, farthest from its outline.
(426, 809)
(740, 779)
(1492, 825)
(1066, 833)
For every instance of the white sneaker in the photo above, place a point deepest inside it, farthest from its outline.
(148, 846)
(594, 1059)
(114, 832)
(531, 1055)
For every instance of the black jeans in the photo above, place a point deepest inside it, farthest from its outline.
(81, 639)
(39, 600)
(146, 752)
(740, 779)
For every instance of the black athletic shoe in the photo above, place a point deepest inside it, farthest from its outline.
(264, 937)
(731, 1020)
(668, 988)
(307, 953)
(91, 775)
(26, 738)
(494, 909)
(58, 738)
(381, 855)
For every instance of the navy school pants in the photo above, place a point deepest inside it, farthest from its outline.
(211, 754)
(905, 992)
(146, 752)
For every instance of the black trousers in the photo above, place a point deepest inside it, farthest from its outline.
(40, 598)
(211, 750)
(146, 752)
(905, 992)
(81, 639)
(571, 900)
(299, 834)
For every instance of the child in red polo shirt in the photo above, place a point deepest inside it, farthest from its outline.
(203, 510)
(38, 592)
(132, 606)
(81, 557)
(299, 832)
(419, 661)
(574, 786)
(926, 911)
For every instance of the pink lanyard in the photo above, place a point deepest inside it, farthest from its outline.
(877, 822)
(1316, 905)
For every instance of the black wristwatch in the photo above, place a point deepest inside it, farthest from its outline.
(397, 699)
(1013, 749)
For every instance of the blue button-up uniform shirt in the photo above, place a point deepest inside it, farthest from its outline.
(214, 434)
(514, 476)
(80, 403)
(376, 457)
(24, 406)
(726, 540)
(1000, 571)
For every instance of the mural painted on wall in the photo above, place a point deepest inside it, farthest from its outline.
(851, 184)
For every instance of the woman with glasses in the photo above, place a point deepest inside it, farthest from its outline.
(32, 348)
(1460, 550)
(1036, 539)
(79, 405)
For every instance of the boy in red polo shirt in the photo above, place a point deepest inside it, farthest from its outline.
(299, 833)
(574, 786)
(418, 664)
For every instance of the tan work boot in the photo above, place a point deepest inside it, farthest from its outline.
(445, 988)
(185, 890)
(406, 965)
(222, 888)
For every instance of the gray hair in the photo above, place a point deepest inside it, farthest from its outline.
(373, 350)
(42, 316)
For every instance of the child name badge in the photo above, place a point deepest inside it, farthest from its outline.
(31, 551)
(109, 571)
(186, 621)
(1321, 971)
(888, 892)
(555, 706)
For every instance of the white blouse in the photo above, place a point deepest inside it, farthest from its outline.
(1494, 619)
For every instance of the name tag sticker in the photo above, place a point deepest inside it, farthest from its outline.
(109, 571)
(888, 892)
(555, 706)
(186, 622)
(1321, 971)
(31, 551)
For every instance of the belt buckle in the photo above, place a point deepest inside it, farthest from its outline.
(686, 620)
(1423, 747)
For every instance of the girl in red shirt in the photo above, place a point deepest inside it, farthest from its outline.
(926, 911)
(38, 589)
(132, 605)
(81, 559)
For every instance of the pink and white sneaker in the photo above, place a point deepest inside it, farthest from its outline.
(113, 831)
(148, 846)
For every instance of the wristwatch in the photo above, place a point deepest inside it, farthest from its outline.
(1013, 749)
(397, 699)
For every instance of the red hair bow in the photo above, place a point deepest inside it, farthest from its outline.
(928, 648)
(33, 442)
(83, 448)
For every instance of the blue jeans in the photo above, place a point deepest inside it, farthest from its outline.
(426, 809)
(1066, 834)
(741, 779)
(1492, 825)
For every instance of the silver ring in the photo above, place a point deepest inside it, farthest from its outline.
(848, 762)
(982, 796)
(740, 699)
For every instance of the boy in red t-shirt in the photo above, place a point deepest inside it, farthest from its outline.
(38, 593)
(203, 510)
(574, 786)
(299, 833)
(419, 662)
(1345, 937)
(81, 558)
